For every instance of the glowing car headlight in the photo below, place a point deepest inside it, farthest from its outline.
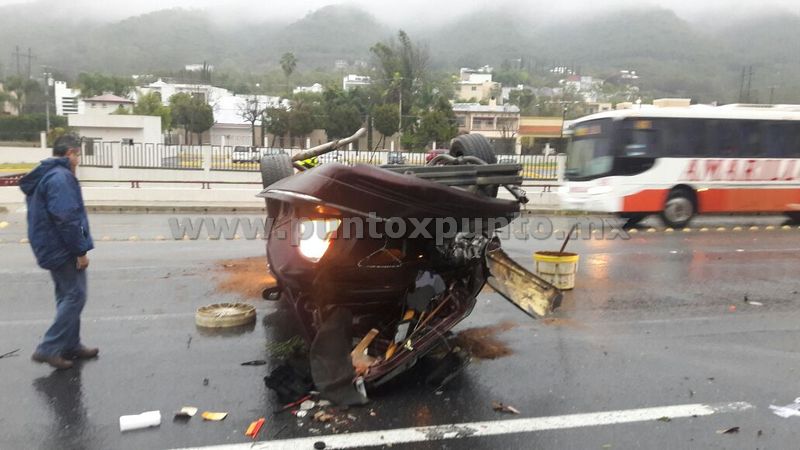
(315, 237)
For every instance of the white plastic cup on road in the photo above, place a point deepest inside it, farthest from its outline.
(138, 421)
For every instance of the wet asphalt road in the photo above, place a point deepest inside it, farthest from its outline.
(657, 319)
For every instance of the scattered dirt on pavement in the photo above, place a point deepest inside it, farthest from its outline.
(483, 343)
(246, 277)
(561, 322)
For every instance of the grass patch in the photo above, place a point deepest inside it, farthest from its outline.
(16, 168)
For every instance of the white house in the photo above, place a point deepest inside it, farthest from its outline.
(230, 125)
(117, 127)
(315, 88)
(106, 104)
(68, 101)
(353, 81)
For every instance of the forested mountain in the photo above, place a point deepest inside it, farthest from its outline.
(672, 55)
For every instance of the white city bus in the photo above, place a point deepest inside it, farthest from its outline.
(681, 161)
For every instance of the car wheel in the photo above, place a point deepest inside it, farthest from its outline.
(473, 145)
(275, 168)
(679, 208)
(478, 146)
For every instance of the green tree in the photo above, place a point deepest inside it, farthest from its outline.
(437, 124)
(93, 84)
(151, 105)
(385, 120)
(524, 98)
(276, 121)
(301, 118)
(288, 64)
(342, 112)
(193, 114)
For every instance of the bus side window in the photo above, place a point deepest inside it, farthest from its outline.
(641, 142)
(777, 138)
(792, 140)
(683, 137)
(724, 138)
(751, 145)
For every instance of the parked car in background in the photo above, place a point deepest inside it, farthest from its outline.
(395, 158)
(434, 153)
(243, 154)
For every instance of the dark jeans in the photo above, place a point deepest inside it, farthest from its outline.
(64, 335)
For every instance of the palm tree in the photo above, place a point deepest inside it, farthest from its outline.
(288, 64)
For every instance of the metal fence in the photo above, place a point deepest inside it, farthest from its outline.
(246, 159)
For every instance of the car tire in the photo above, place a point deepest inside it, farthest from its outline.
(275, 168)
(679, 208)
(473, 145)
(478, 146)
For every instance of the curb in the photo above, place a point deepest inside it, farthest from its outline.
(138, 209)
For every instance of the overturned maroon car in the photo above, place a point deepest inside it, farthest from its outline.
(378, 263)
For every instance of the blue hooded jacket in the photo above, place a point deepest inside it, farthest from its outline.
(58, 228)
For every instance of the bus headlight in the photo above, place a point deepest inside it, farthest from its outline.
(315, 237)
(599, 190)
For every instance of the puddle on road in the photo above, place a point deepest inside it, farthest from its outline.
(246, 277)
(482, 342)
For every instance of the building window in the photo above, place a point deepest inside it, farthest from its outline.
(461, 121)
(483, 123)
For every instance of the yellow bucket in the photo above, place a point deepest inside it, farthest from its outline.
(557, 268)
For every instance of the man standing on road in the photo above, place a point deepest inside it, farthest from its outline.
(58, 231)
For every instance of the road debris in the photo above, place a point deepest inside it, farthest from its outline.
(731, 430)
(187, 412)
(285, 349)
(10, 354)
(499, 407)
(664, 419)
(319, 445)
(308, 404)
(301, 413)
(139, 421)
(205, 381)
(214, 416)
(322, 416)
(254, 428)
(788, 410)
(255, 362)
(290, 384)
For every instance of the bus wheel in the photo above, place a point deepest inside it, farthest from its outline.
(632, 219)
(679, 208)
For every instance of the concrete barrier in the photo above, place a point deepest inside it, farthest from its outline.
(23, 155)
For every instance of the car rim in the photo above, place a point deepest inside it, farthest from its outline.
(678, 210)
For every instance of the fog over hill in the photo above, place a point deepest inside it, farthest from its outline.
(678, 47)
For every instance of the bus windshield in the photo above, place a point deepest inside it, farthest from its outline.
(589, 151)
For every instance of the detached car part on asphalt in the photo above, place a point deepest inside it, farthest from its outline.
(403, 291)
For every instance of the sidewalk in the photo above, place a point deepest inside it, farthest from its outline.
(191, 199)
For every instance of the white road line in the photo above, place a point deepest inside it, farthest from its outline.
(489, 428)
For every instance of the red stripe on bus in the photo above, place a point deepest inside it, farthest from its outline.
(648, 200)
(748, 200)
(720, 200)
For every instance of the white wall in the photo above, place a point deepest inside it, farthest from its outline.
(24, 155)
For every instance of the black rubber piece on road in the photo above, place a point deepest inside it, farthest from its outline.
(275, 168)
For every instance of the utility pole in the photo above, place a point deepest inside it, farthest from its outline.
(749, 82)
(29, 56)
(47, 99)
(771, 94)
(400, 120)
(741, 86)
(17, 54)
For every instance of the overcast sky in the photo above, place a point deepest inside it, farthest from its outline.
(406, 10)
